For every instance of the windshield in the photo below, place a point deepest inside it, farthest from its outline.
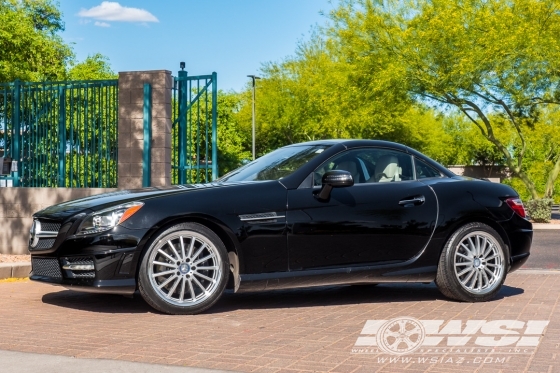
(276, 165)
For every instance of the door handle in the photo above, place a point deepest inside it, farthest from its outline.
(416, 201)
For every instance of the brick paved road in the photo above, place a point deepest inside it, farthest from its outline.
(282, 331)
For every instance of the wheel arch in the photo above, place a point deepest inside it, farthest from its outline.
(477, 219)
(222, 231)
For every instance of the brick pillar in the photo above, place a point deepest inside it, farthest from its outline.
(131, 130)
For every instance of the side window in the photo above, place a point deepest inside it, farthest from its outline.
(369, 165)
(424, 171)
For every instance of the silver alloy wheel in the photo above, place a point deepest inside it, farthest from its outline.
(479, 263)
(184, 268)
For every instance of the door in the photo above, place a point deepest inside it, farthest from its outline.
(386, 216)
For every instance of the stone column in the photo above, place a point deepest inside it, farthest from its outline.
(131, 127)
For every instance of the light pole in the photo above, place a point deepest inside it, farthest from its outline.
(254, 79)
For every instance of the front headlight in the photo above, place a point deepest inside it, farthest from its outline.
(109, 218)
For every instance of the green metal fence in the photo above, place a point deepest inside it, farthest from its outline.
(61, 133)
(194, 155)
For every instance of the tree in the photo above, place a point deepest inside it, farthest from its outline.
(318, 94)
(469, 147)
(231, 138)
(543, 146)
(496, 61)
(31, 48)
(94, 67)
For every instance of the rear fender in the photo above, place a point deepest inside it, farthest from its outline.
(458, 206)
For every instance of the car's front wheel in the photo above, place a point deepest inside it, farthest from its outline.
(473, 264)
(185, 270)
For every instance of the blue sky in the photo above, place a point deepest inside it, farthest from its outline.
(231, 37)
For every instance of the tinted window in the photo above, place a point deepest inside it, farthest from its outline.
(369, 165)
(424, 171)
(276, 165)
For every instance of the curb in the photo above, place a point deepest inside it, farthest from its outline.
(16, 270)
(545, 226)
(536, 271)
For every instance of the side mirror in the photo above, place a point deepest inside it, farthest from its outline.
(334, 179)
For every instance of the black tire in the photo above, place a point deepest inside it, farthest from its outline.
(173, 268)
(455, 264)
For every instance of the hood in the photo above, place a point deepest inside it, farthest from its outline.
(98, 202)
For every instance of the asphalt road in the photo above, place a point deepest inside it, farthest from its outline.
(545, 251)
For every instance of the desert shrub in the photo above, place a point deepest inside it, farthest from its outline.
(539, 209)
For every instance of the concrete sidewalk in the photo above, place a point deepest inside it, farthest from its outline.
(22, 362)
(537, 226)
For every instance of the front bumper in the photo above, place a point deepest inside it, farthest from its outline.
(103, 263)
(121, 287)
(112, 273)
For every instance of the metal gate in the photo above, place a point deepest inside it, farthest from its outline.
(194, 151)
(60, 133)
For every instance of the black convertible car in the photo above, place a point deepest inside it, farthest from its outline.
(317, 213)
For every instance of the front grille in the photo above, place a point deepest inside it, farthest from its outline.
(87, 274)
(47, 267)
(44, 243)
(47, 226)
(78, 260)
(46, 236)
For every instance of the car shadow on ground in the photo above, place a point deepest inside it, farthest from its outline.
(101, 303)
(277, 299)
(339, 296)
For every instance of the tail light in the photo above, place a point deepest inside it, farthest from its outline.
(517, 206)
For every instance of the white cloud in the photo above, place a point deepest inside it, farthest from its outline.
(102, 24)
(113, 11)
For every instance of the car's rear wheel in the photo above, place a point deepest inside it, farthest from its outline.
(473, 264)
(185, 270)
